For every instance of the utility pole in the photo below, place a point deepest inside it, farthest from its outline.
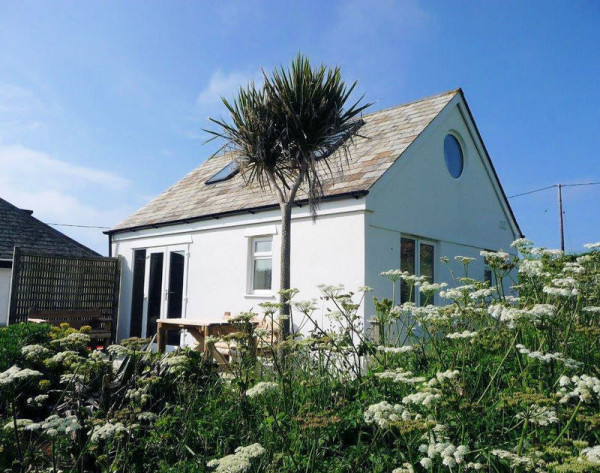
(561, 218)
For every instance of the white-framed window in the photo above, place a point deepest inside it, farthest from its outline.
(417, 256)
(261, 265)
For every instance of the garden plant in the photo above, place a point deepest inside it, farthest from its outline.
(494, 377)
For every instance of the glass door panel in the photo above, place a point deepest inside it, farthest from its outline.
(137, 293)
(155, 294)
(407, 263)
(175, 292)
(426, 267)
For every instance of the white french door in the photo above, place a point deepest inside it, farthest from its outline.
(165, 288)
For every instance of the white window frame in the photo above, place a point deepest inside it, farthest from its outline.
(418, 242)
(261, 255)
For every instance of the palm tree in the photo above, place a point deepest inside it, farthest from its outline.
(283, 134)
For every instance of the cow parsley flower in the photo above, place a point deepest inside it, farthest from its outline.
(15, 374)
(72, 378)
(66, 357)
(174, 363)
(55, 425)
(400, 376)
(592, 246)
(585, 388)
(238, 462)
(552, 253)
(548, 357)
(482, 293)
(573, 268)
(21, 424)
(539, 415)
(560, 291)
(514, 459)
(34, 352)
(396, 350)
(464, 259)
(74, 341)
(428, 287)
(117, 351)
(405, 468)
(592, 309)
(139, 395)
(495, 258)
(385, 414)
(107, 431)
(461, 335)
(591, 454)
(146, 416)
(450, 454)
(543, 310)
(393, 274)
(521, 243)
(530, 268)
(38, 400)
(459, 292)
(261, 389)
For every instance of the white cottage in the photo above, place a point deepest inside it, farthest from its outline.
(419, 184)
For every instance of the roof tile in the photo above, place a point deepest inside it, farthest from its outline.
(385, 135)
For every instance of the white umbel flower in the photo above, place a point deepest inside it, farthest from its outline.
(238, 462)
(261, 389)
(385, 414)
(14, 374)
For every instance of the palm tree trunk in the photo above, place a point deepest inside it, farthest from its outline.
(284, 281)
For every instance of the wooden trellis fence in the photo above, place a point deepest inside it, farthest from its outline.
(43, 281)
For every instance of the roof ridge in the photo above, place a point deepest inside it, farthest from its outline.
(458, 90)
(424, 99)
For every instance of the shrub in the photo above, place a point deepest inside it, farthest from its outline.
(16, 336)
(493, 381)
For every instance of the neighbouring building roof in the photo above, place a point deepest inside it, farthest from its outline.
(384, 136)
(19, 228)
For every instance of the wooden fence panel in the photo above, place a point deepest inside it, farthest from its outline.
(47, 282)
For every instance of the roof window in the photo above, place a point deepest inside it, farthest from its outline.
(337, 140)
(226, 173)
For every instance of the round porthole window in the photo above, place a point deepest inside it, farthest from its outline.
(454, 156)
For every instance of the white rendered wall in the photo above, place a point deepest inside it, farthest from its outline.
(330, 251)
(417, 197)
(5, 276)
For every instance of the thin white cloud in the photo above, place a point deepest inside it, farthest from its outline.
(19, 163)
(222, 85)
(61, 192)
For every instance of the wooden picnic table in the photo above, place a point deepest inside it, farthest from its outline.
(199, 329)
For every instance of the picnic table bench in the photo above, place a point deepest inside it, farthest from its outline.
(98, 322)
(199, 329)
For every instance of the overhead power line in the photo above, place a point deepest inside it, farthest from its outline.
(78, 226)
(561, 213)
(553, 186)
(533, 191)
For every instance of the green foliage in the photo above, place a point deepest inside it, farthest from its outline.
(488, 382)
(14, 337)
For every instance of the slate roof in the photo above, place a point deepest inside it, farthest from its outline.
(385, 135)
(19, 228)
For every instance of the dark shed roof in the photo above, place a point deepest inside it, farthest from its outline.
(19, 228)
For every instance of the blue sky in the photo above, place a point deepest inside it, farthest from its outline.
(102, 104)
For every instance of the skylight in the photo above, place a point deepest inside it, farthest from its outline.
(226, 173)
(337, 140)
